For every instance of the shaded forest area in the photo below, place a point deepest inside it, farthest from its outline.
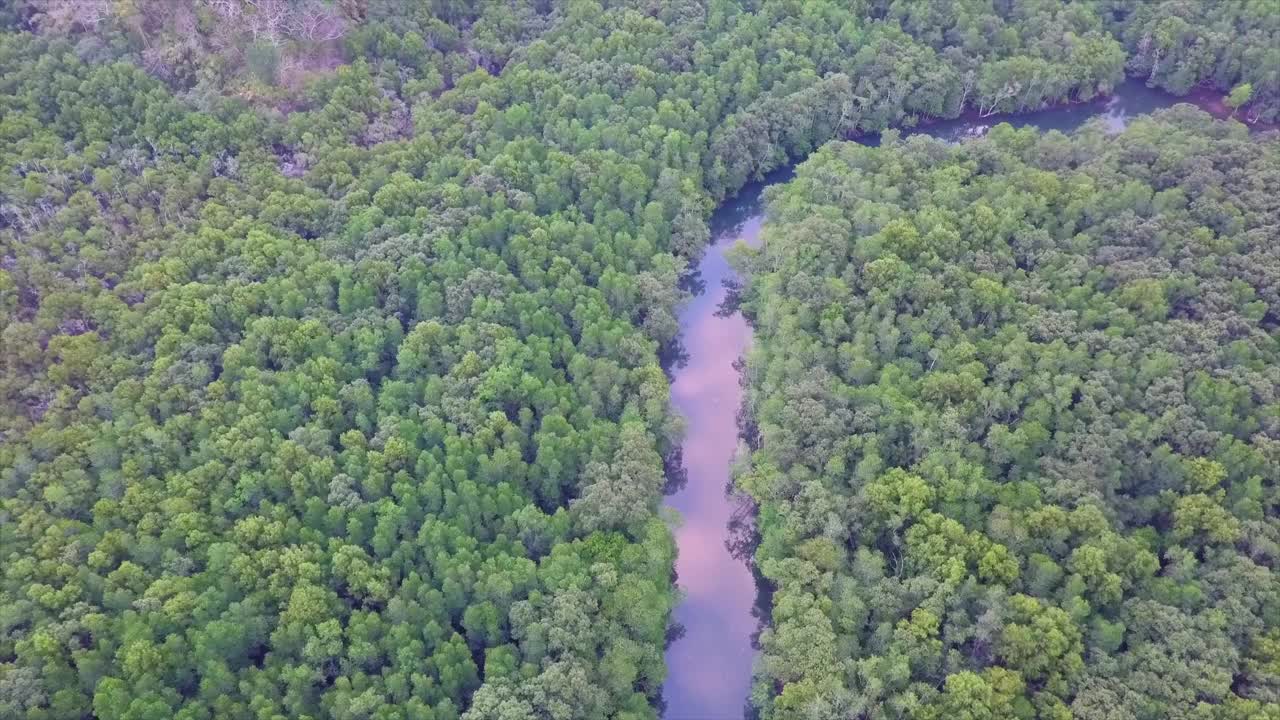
(1018, 409)
(355, 411)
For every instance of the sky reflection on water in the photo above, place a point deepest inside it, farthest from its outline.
(709, 666)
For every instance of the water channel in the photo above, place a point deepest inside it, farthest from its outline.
(724, 607)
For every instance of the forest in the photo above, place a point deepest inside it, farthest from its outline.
(332, 339)
(1017, 427)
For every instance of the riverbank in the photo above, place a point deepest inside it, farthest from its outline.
(1130, 98)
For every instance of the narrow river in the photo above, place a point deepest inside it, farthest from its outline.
(710, 657)
(709, 665)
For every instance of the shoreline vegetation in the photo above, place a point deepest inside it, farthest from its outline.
(1204, 97)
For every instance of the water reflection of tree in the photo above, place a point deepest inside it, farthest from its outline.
(742, 540)
(692, 282)
(660, 705)
(676, 474)
(732, 297)
(762, 609)
(672, 357)
(675, 632)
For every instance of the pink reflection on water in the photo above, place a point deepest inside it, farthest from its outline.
(701, 565)
(710, 667)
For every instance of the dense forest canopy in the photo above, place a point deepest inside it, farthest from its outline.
(331, 330)
(1018, 410)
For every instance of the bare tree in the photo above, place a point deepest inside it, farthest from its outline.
(64, 15)
(315, 21)
(229, 10)
(268, 19)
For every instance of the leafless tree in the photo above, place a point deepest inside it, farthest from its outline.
(315, 21)
(268, 19)
(64, 15)
(229, 10)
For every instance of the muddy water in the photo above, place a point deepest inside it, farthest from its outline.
(712, 648)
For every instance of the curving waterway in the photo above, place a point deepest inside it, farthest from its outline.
(709, 660)
(713, 643)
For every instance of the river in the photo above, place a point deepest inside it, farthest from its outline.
(724, 607)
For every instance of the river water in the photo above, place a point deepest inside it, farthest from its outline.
(724, 604)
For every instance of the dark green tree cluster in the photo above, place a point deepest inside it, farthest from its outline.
(1018, 410)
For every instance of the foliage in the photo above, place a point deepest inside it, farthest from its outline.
(1025, 390)
(1178, 45)
(356, 411)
